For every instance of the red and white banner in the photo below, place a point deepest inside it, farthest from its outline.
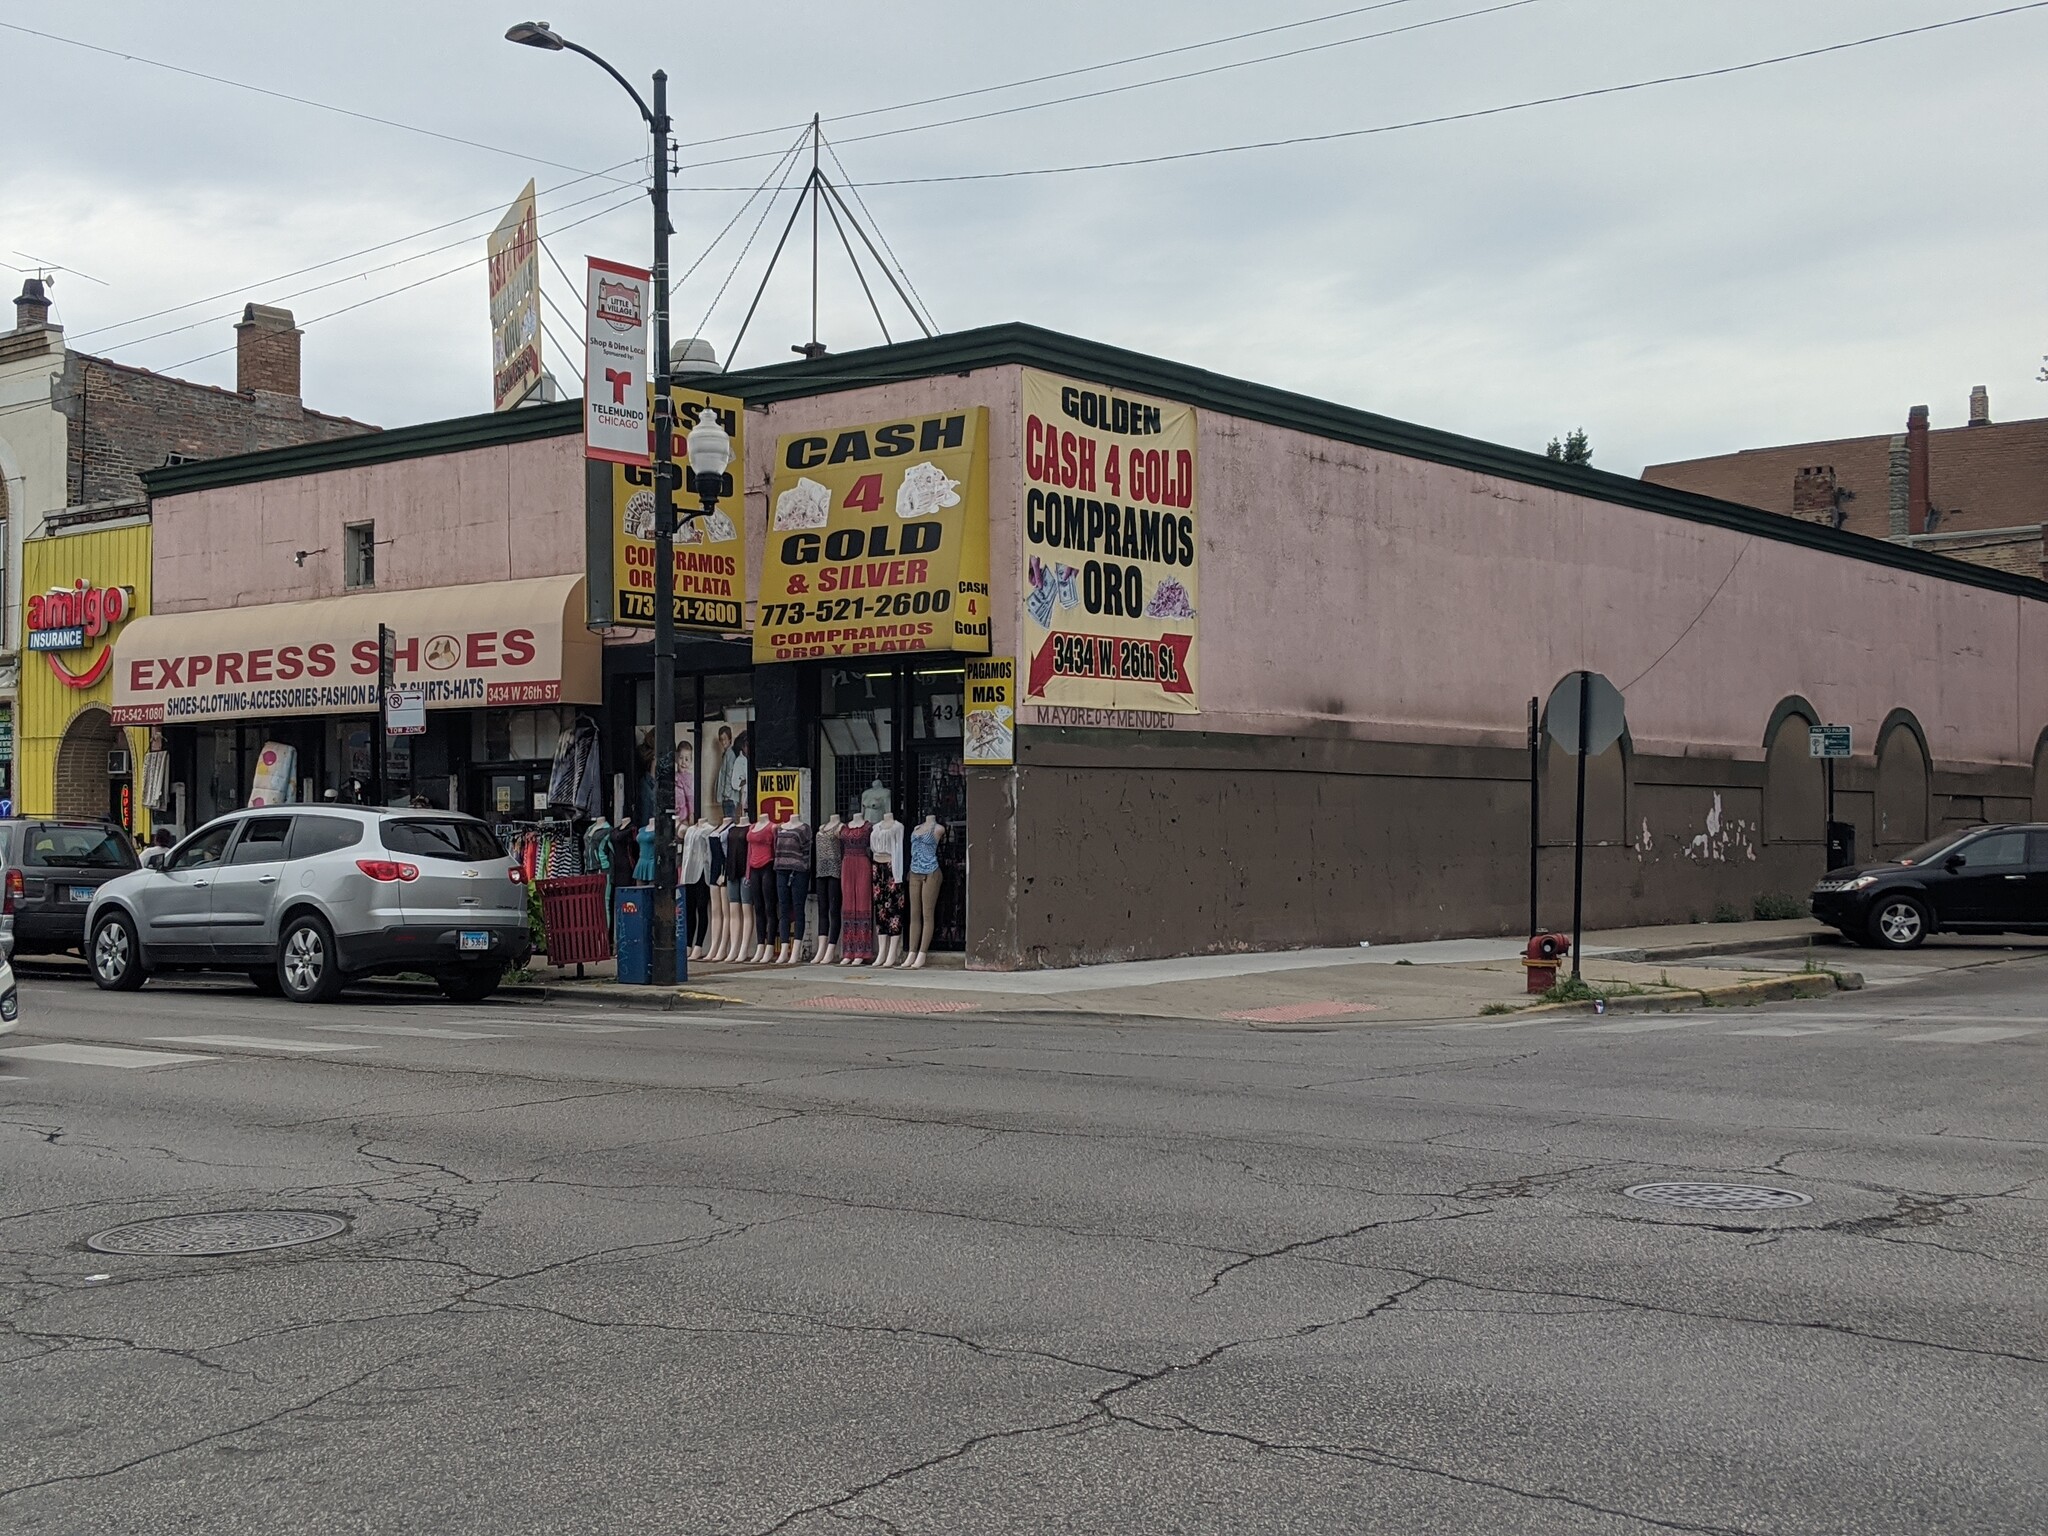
(618, 304)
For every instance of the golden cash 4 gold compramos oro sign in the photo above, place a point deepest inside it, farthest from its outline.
(878, 540)
(710, 553)
(1111, 548)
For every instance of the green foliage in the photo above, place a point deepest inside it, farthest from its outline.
(1576, 448)
(1773, 908)
(1727, 912)
(1570, 989)
(1493, 1008)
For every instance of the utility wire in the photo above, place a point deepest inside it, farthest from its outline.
(1711, 599)
(418, 283)
(1059, 74)
(304, 101)
(846, 180)
(1139, 85)
(368, 250)
(793, 155)
(347, 277)
(1460, 117)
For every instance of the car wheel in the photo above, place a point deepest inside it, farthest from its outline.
(267, 982)
(470, 986)
(116, 956)
(308, 970)
(1898, 922)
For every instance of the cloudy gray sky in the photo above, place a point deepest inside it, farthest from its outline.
(1798, 251)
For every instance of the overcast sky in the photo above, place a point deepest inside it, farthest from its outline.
(1795, 252)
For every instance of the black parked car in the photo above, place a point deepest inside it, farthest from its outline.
(1982, 880)
(51, 871)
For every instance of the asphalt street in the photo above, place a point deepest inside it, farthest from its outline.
(624, 1272)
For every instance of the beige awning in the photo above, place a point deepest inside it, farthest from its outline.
(493, 645)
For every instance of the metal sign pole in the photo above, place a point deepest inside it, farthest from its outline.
(1579, 822)
(1535, 805)
(387, 648)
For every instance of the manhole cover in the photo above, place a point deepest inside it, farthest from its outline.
(211, 1234)
(1719, 1197)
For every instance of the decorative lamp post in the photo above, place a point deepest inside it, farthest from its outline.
(538, 34)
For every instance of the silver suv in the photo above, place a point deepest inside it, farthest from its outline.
(305, 898)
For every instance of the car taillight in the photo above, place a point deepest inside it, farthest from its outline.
(517, 875)
(388, 870)
(14, 889)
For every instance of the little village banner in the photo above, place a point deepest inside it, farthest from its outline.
(878, 540)
(710, 553)
(1111, 545)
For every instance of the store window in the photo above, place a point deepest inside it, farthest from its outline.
(714, 747)
(857, 752)
(359, 554)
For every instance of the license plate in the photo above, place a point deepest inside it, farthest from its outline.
(82, 893)
(471, 940)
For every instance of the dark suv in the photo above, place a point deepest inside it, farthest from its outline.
(52, 869)
(1979, 880)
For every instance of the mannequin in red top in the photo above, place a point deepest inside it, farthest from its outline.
(761, 871)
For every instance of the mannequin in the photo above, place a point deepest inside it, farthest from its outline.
(761, 871)
(886, 844)
(856, 892)
(874, 803)
(692, 873)
(792, 886)
(714, 887)
(643, 867)
(827, 850)
(925, 880)
(739, 911)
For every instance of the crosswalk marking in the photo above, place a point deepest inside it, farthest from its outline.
(78, 1055)
(415, 1031)
(585, 1029)
(259, 1043)
(1642, 1026)
(1979, 1035)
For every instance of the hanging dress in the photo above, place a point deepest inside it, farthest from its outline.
(856, 893)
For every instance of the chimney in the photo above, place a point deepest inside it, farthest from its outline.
(1980, 407)
(1916, 470)
(267, 352)
(32, 309)
(1813, 495)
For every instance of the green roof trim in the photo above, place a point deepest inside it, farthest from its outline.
(995, 346)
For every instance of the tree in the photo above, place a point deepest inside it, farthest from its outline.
(1575, 449)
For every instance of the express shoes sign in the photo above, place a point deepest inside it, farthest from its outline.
(73, 619)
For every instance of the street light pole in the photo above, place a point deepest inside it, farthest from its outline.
(538, 34)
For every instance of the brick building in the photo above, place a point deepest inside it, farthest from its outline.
(1977, 492)
(76, 431)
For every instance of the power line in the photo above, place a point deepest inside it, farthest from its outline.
(846, 177)
(304, 101)
(346, 277)
(420, 283)
(1060, 74)
(1456, 117)
(368, 250)
(1139, 85)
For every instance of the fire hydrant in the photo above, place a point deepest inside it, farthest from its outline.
(1540, 959)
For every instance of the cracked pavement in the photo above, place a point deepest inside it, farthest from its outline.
(616, 1272)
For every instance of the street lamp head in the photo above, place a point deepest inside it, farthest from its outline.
(710, 448)
(535, 34)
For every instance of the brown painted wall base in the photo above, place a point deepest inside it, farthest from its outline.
(1104, 846)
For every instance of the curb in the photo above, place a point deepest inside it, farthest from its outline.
(638, 999)
(1791, 944)
(1741, 994)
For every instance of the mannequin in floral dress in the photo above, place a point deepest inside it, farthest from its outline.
(856, 894)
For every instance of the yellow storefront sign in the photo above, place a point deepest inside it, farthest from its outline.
(878, 540)
(782, 794)
(81, 591)
(710, 553)
(991, 739)
(1112, 541)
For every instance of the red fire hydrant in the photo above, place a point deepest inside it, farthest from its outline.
(1540, 959)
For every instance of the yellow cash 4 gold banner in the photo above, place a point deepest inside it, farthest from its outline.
(878, 540)
(1112, 542)
(710, 553)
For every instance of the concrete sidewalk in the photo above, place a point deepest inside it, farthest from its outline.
(1450, 978)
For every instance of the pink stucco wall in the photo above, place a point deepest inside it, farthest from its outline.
(1351, 590)
(492, 514)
